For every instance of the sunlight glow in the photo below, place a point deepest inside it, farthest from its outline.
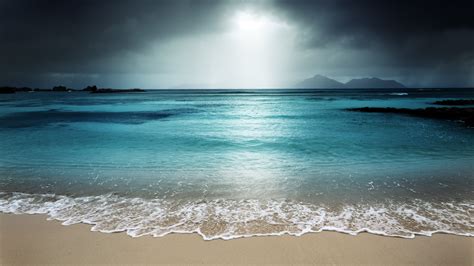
(254, 48)
(250, 21)
(253, 51)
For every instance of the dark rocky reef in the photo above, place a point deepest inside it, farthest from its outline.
(455, 102)
(465, 115)
(5, 90)
(116, 90)
(91, 89)
(63, 89)
(94, 89)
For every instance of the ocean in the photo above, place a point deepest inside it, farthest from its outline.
(238, 163)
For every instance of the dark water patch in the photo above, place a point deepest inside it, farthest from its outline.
(101, 101)
(206, 105)
(455, 102)
(30, 103)
(54, 116)
(74, 100)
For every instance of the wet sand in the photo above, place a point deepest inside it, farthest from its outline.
(31, 239)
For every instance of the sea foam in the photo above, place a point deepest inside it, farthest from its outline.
(228, 219)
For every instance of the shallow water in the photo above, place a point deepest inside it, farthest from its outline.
(237, 163)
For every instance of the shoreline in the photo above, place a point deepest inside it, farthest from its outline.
(31, 239)
(233, 219)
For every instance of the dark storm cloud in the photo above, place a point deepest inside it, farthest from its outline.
(426, 43)
(372, 21)
(405, 35)
(74, 36)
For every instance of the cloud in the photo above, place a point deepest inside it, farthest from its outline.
(400, 36)
(157, 43)
(75, 36)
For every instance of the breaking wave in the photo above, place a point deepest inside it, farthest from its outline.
(228, 219)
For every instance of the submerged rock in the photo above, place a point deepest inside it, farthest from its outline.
(60, 88)
(465, 115)
(5, 90)
(90, 88)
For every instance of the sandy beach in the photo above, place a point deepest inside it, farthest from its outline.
(31, 239)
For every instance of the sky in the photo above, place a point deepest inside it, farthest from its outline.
(234, 44)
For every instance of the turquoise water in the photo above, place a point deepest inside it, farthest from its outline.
(226, 164)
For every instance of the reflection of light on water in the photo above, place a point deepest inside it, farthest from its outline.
(241, 145)
(256, 168)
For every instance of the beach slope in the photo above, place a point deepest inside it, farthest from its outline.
(31, 239)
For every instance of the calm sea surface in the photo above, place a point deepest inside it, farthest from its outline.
(226, 164)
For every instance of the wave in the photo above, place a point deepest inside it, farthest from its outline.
(228, 219)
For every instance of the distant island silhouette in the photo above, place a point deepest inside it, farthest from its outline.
(91, 89)
(323, 82)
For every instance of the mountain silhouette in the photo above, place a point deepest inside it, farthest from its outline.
(323, 82)
(320, 81)
(374, 83)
